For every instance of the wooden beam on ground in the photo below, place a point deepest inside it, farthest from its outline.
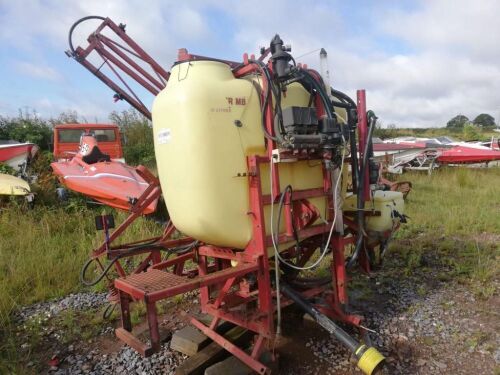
(213, 353)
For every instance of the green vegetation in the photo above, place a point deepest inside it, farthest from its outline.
(470, 133)
(6, 169)
(138, 137)
(41, 253)
(27, 127)
(480, 134)
(483, 120)
(454, 225)
(458, 121)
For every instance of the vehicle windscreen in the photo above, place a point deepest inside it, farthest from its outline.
(104, 135)
(73, 135)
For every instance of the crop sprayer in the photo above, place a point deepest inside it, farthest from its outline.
(266, 172)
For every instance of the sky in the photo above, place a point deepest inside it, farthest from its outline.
(421, 62)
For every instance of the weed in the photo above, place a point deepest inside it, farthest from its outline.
(422, 290)
(477, 339)
(178, 298)
(428, 340)
(463, 178)
(138, 310)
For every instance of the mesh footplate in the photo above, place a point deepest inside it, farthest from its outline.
(152, 281)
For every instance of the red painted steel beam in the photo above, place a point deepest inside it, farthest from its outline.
(104, 45)
(111, 45)
(300, 194)
(363, 135)
(231, 348)
(117, 89)
(228, 254)
(111, 58)
(302, 234)
(144, 56)
(201, 281)
(244, 70)
(174, 261)
(183, 55)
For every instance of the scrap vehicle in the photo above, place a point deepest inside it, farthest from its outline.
(67, 139)
(267, 172)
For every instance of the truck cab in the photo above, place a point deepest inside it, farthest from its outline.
(67, 140)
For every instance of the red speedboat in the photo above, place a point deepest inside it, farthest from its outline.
(468, 155)
(94, 174)
(14, 154)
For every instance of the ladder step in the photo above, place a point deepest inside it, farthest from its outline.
(155, 285)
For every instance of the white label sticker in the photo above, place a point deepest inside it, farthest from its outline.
(164, 136)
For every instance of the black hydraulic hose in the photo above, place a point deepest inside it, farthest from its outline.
(280, 208)
(347, 103)
(340, 95)
(108, 311)
(341, 105)
(322, 320)
(310, 282)
(278, 125)
(354, 154)
(265, 75)
(360, 200)
(309, 82)
(83, 272)
(321, 91)
(70, 34)
(101, 275)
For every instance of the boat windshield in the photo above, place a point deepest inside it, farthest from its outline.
(445, 140)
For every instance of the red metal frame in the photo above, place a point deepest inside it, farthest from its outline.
(126, 58)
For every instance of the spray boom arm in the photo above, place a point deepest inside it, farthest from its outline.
(124, 58)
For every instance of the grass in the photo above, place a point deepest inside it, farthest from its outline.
(454, 202)
(454, 222)
(41, 253)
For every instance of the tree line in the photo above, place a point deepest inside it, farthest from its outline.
(484, 120)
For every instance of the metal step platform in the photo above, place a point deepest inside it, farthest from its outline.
(155, 285)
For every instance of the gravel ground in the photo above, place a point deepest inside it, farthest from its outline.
(443, 332)
(421, 329)
(125, 361)
(77, 301)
